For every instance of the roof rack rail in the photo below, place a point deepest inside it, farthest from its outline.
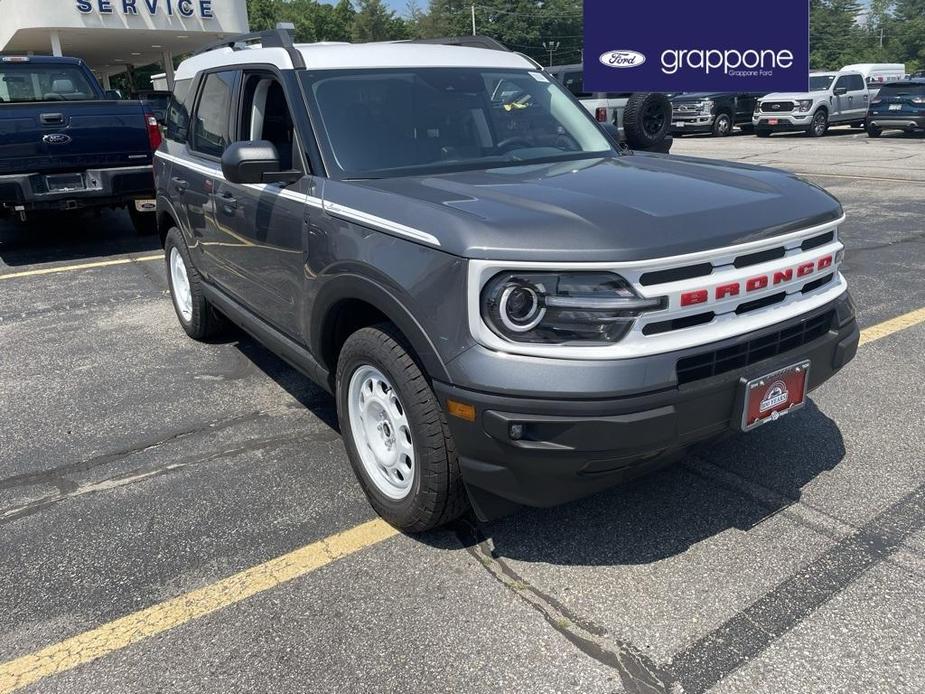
(281, 37)
(469, 41)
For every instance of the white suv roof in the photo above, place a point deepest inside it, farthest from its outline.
(330, 56)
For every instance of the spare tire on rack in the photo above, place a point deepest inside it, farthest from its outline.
(646, 120)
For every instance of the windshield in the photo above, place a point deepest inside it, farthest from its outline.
(24, 82)
(819, 83)
(391, 122)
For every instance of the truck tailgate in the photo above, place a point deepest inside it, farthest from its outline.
(72, 136)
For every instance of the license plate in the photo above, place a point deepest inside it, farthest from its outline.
(772, 121)
(60, 183)
(896, 107)
(679, 124)
(770, 397)
(145, 205)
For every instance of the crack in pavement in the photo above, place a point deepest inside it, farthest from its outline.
(135, 476)
(638, 673)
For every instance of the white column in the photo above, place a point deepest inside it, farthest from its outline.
(168, 67)
(55, 43)
(106, 83)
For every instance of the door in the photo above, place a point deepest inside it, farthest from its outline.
(265, 224)
(858, 97)
(201, 175)
(840, 110)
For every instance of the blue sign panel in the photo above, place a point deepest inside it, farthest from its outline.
(693, 46)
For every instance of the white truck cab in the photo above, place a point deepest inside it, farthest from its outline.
(834, 98)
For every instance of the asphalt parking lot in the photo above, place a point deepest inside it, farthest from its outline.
(181, 517)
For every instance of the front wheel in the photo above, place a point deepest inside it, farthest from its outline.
(763, 133)
(722, 125)
(819, 125)
(873, 131)
(395, 432)
(197, 316)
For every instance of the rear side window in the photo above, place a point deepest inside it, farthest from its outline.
(210, 124)
(33, 82)
(574, 82)
(894, 90)
(178, 113)
(855, 83)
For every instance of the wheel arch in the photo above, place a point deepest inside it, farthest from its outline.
(167, 217)
(347, 303)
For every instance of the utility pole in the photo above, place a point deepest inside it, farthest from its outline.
(881, 38)
(552, 47)
(473, 20)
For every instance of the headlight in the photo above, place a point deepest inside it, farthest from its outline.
(803, 105)
(590, 308)
(706, 105)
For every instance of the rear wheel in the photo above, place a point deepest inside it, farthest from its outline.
(197, 316)
(395, 432)
(722, 125)
(873, 131)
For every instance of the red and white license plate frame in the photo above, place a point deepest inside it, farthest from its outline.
(773, 121)
(769, 397)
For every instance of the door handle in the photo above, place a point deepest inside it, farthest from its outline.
(179, 184)
(229, 203)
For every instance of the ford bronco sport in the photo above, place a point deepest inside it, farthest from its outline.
(506, 308)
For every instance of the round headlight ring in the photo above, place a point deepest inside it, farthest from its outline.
(535, 310)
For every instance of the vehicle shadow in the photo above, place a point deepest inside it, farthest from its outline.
(648, 519)
(664, 514)
(60, 237)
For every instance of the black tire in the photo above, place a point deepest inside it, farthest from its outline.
(763, 133)
(873, 131)
(145, 223)
(437, 495)
(646, 119)
(722, 125)
(819, 125)
(204, 322)
(747, 128)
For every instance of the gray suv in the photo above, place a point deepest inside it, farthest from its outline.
(506, 308)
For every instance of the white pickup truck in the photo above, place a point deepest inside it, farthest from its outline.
(834, 98)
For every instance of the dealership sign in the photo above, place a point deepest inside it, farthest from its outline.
(169, 8)
(696, 47)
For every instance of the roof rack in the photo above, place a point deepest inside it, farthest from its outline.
(469, 41)
(281, 37)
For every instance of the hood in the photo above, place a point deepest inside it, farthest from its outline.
(793, 96)
(631, 207)
(695, 96)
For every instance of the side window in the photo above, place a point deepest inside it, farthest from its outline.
(574, 82)
(857, 83)
(210, 124)
(265, 115)
(177, 112)
(841, 82)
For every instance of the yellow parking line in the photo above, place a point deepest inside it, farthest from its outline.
(137, 626)
(894, 325)
(81, 266)
(156, 619)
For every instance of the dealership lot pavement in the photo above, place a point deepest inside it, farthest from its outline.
(137, 466)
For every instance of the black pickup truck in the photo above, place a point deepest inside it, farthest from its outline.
(65, 146)
(716, 113)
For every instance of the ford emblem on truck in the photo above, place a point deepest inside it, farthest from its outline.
(56, 139)
(622, 59)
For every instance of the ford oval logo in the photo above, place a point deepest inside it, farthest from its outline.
(56, 139)
(622, 59)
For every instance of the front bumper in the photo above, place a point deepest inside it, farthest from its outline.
(572, 446)
(786, 122)
(699, 123)
(896, 122)
(103, 187)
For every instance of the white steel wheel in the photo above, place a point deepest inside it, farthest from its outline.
(381, 432)
(179, 282)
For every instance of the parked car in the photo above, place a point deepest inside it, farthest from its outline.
(64, 146)
(155, 101)
(716, 113)
(898, 106)
(641, 119)
(834, 98)
(507, 308)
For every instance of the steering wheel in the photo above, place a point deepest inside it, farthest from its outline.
(510, 142)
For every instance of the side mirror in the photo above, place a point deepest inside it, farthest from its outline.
(840, 90)
(256, 161)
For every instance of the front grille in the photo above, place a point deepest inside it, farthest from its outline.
(728, 359)
(776, 106)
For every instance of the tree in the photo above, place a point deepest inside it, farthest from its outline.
(262, 14)
(375, 22)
